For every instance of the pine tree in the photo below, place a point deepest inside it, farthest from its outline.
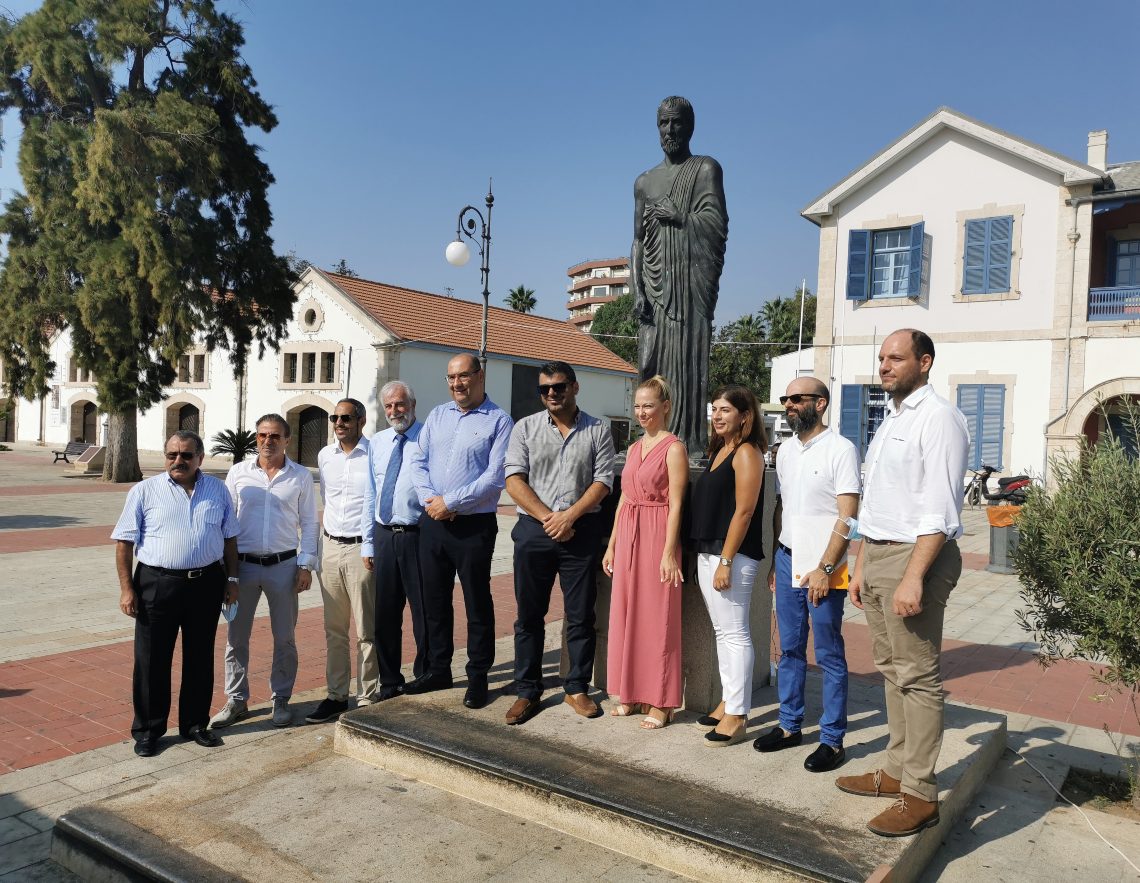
(145, 221)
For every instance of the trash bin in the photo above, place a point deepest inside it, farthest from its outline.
(1004, 537)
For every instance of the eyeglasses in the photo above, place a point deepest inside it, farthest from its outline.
(798, 397)
(545, 389)
(462, 376)
(181, 455)
(342, 418)
(269, 436)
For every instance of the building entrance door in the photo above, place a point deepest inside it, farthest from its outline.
(314, 434)
(90, 423)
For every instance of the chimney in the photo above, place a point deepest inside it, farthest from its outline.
(1098, 149)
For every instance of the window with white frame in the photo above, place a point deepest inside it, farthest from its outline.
(862, 408)
(890, 263)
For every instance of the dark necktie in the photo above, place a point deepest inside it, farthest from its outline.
(391, 473)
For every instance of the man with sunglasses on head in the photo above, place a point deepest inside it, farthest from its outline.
(346, 585)
(457, 470)
(817, 476)
(276, 503)
(181, 525)
(559, 468)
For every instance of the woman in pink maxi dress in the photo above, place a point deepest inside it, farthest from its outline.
(644, 561)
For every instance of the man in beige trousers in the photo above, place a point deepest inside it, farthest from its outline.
(908, 564)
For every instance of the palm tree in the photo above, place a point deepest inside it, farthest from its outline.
(521, 299)
(237, 443)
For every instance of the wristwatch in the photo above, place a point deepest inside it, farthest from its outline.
(828, 569)
(232, 579)
(726, 562)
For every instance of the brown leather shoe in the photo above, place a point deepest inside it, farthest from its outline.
(876, 784)
(907, 815)
(582, 704)
(522, 711)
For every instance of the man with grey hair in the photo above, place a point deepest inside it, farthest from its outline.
(390, 531)
(182, 526)
(276, 503)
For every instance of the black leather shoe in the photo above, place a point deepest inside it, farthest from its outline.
(775, 740)
(428, 683)
(476, 695)
(824, 759)
(146, 747)
(707, 720)
(386, 693)
(205, 738)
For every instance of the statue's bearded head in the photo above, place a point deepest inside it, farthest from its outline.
(675, 123)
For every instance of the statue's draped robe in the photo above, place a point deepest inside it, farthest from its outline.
(680, 278)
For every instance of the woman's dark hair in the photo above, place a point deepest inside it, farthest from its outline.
(752, 429)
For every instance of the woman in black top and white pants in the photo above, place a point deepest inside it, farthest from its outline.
(729, 544)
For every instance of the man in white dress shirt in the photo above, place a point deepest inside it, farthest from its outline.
(907, 566)
(276, 503)
(346, 586)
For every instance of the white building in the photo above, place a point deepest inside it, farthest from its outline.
(348, 337)
(593, 284)
(1022, 265)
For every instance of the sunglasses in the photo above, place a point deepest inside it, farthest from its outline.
(545, 389)
(341, 418)
(269, 436)
(798, 397)
(180, 455)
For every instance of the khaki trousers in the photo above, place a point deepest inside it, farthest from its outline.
(907, 651)
(348, 590)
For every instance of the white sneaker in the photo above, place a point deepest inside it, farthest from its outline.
(282, 716)
(362, 701)
(235, 710)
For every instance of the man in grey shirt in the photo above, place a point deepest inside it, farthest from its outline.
(559, 468)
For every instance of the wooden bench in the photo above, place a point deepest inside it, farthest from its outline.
(73, 449)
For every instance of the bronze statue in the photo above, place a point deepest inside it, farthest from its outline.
(680, 227)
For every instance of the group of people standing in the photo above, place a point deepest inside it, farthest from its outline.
(414, 507)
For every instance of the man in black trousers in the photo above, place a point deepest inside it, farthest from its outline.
(179, 584)
(559, 468)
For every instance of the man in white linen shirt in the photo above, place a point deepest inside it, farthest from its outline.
(346, 586)
(276, 502)
(907, 566)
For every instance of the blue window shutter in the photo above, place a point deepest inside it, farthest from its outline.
(858, 264)
(974, 260)
(969, 404)
(1110, 263)
(992, 424)
(914, 276)
(999, 254)
(851, 414)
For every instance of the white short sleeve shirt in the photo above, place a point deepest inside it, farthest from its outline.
(810, 476)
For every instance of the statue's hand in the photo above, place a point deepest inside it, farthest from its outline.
(665, 210)
(641, 308)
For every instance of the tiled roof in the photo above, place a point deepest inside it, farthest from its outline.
(1125, 176)
(417, 316)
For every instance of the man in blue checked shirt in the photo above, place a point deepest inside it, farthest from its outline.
(182, 526)
(457, 470)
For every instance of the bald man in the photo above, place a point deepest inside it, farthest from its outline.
(817, 474)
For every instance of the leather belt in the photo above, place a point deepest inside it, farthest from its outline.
(401, 528)
(346, 540)
(783, 548)
(266, 560)
(193, 573)
(886, 542)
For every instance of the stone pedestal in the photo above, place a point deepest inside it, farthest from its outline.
(698, 644)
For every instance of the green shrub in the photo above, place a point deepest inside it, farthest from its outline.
(237, 443)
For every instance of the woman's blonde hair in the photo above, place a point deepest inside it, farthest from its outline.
(659, 385)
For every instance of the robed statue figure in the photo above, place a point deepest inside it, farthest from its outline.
(680, 227)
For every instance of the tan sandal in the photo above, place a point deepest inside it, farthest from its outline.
(653, 723)
(628, 710)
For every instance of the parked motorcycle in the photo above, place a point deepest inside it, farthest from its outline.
(1012, 490)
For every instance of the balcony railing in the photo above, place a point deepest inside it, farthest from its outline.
(1121, 303)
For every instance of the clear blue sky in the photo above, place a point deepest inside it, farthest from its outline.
(394, 114)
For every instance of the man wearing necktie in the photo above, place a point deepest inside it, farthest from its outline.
(390, 531)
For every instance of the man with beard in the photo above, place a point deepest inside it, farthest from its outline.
(391, 537)
(817, 476)
(680, 228)
(907, 566)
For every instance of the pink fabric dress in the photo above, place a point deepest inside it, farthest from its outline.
(644, 653)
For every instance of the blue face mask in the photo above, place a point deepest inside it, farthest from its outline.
(229, 611)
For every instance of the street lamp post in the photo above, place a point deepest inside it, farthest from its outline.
(458, 254)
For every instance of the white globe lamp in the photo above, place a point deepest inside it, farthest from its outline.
(457, 253)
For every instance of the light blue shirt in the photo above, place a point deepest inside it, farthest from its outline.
(174, 529)
(460, 457)
(406, 508)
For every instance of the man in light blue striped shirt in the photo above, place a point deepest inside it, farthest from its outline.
(457, 470)
(182, 526)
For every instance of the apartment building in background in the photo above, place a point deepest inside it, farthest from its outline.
(592, 285)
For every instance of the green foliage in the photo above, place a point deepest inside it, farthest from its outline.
(1079, 560)
(521, 299)
(236, 443)
(341, 267)
(616, 319)
(145, 223)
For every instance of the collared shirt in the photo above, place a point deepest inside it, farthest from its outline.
(810, 476)
(406, 508)
(272, 513)
(171, 528)
(344, 487)
(559, 470)
(915, 466)
(460, 457)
